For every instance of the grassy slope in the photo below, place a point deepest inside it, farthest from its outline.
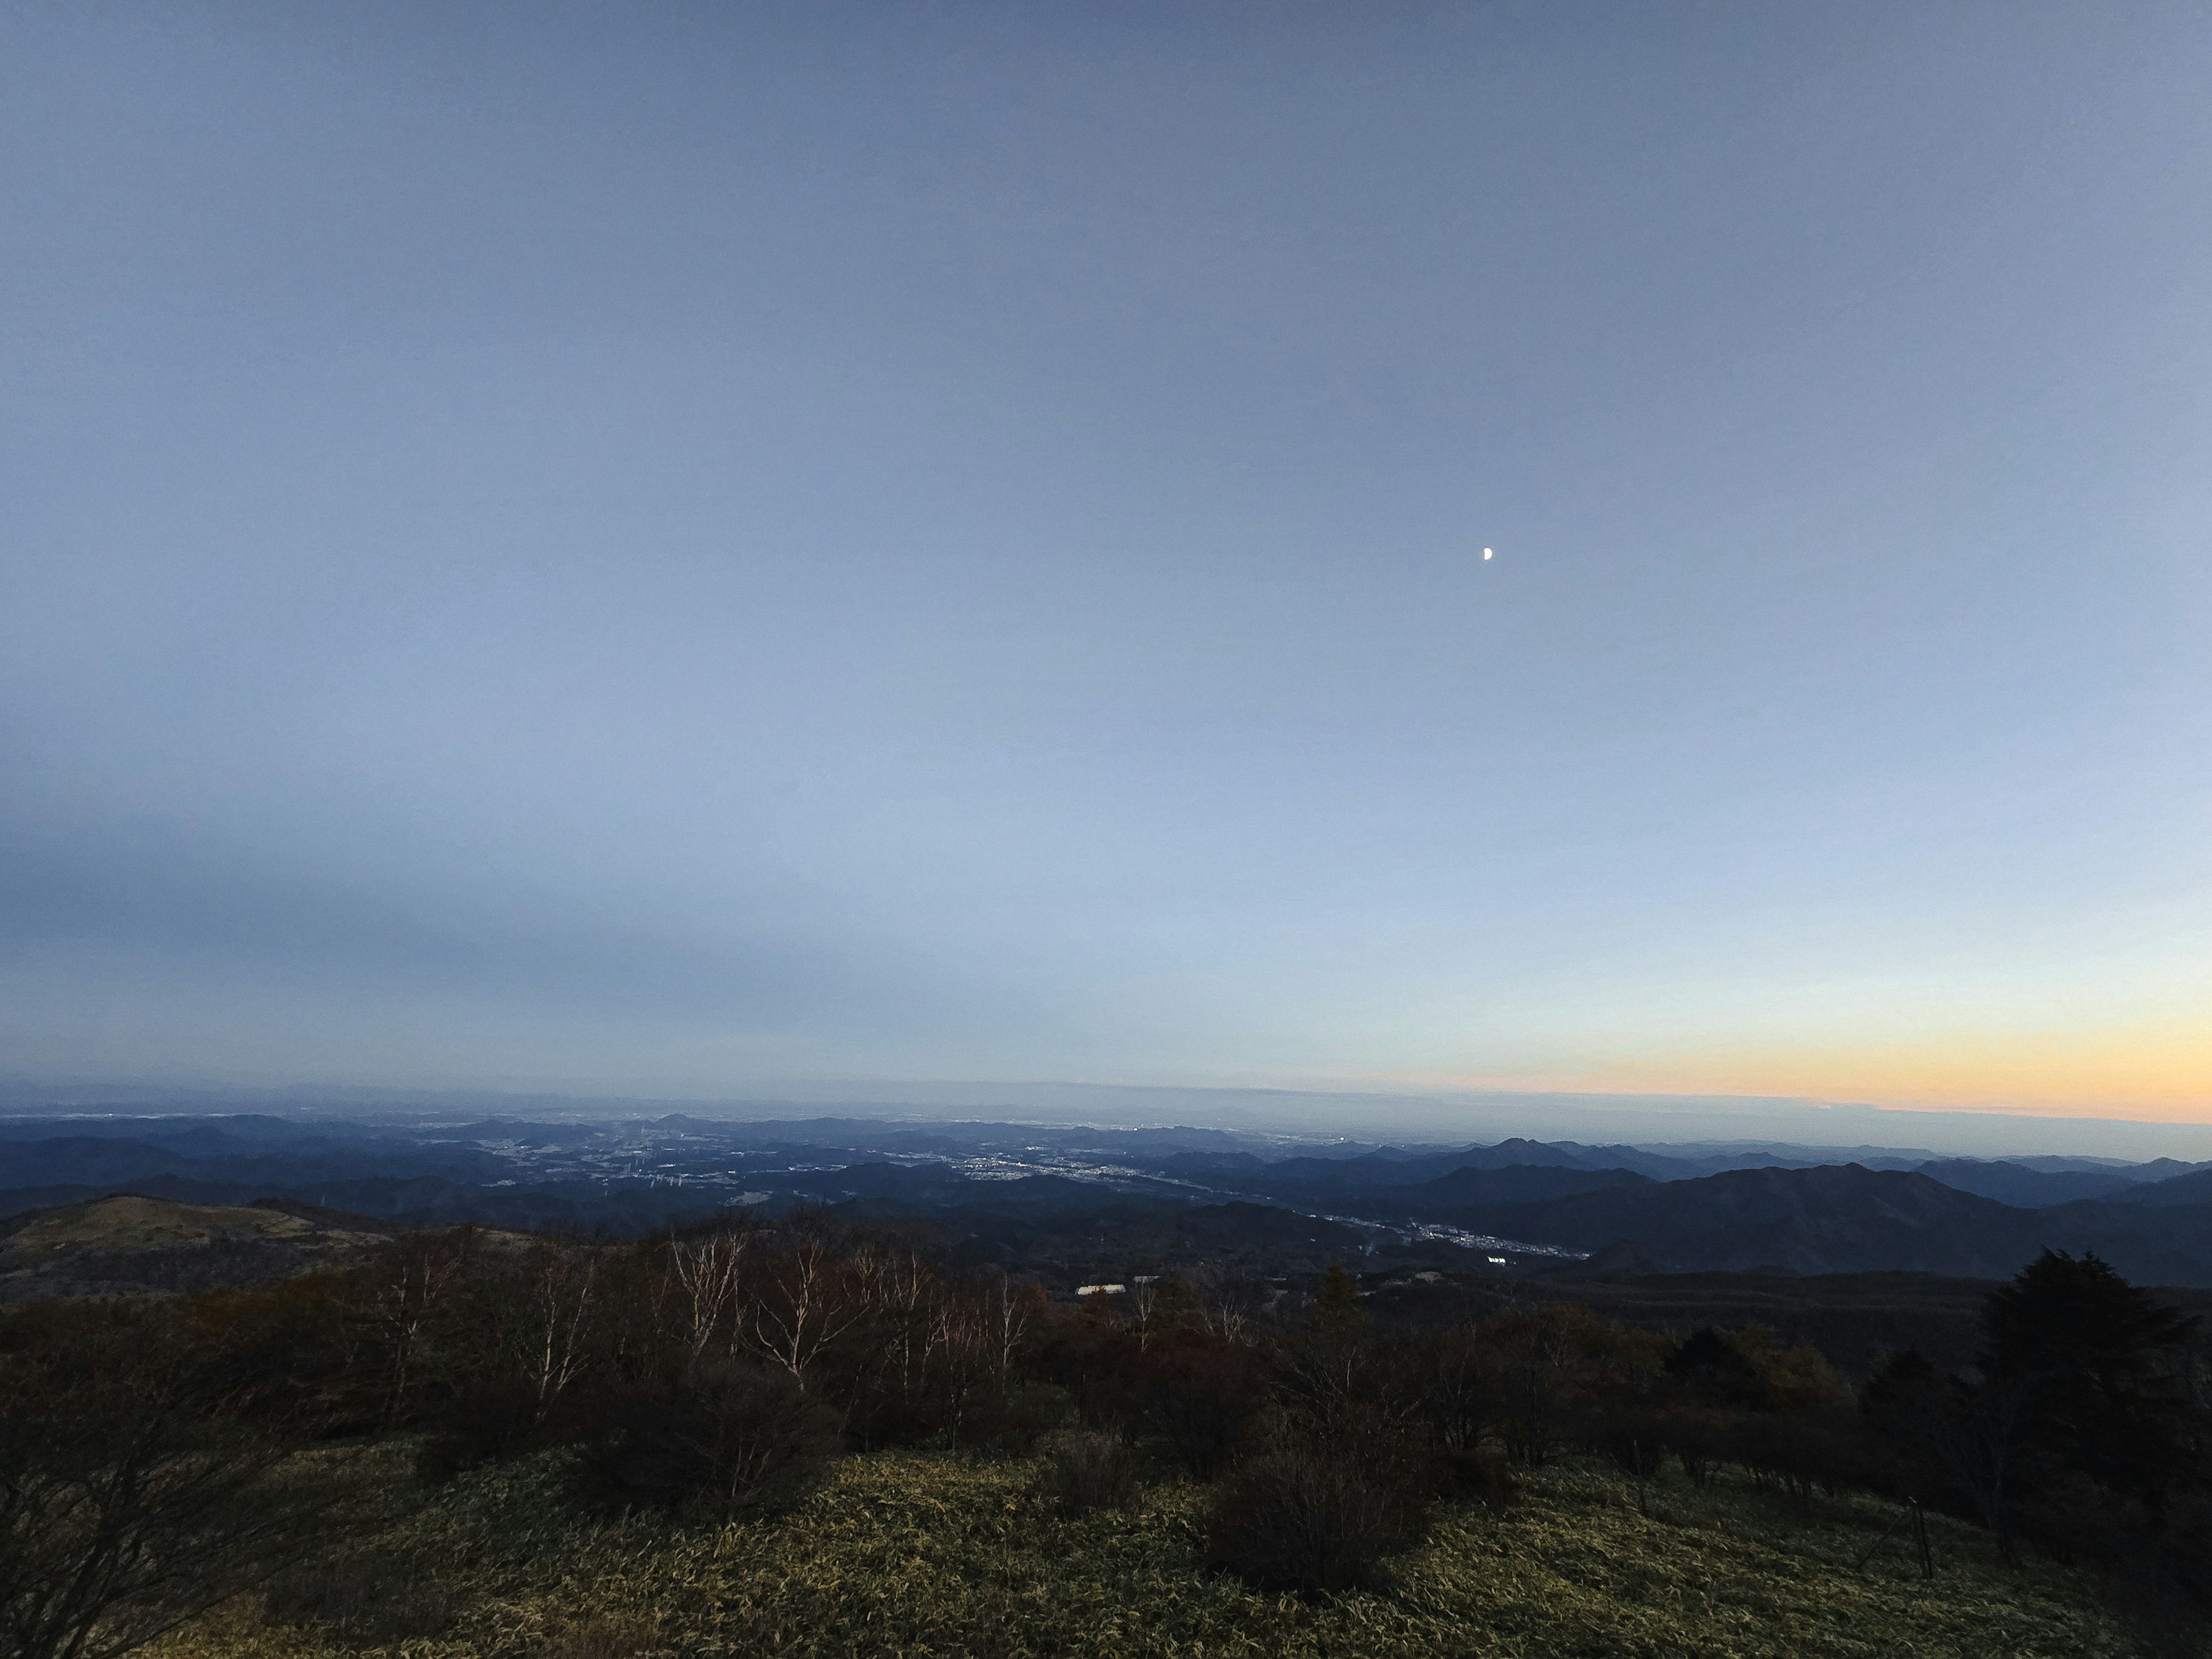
(914, 1555)
(131, 1245)
(132, 1223)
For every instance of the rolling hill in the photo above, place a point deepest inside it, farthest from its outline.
(131, 1245)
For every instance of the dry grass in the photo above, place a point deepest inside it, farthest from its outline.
(134, 1246)
(919, 1555)
(132, 1223)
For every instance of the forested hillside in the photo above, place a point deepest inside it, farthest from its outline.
(505, 1443)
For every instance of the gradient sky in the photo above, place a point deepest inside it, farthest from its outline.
(675, 549)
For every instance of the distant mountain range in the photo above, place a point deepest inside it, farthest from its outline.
(1848, 1218)
(1794, 1210)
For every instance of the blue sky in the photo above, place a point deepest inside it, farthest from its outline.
(679, 550)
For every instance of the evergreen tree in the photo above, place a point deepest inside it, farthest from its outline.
(2100, 1365)
(1336, 1304)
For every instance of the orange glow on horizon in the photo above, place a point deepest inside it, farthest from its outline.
(2158, 1074)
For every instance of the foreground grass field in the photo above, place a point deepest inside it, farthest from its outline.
(927, 1555)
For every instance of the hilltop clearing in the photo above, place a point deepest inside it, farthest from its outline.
(134, 1245)
(793, 1436)
(917, 1554)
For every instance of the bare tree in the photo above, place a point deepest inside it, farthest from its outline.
(1009, 1315)
(800, 1307)
(408, 1287)
(905, 1296)
(1979, 1437)
(560, 1285)
(710, 1273)
(124, 1514)
(1144, 1305)
(1227, 1305)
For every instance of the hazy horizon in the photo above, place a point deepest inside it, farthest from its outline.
(1636, 1120)
(689, 551)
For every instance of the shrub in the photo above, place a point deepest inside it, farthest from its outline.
(1799, 1452)
(1477, 1475)
(1024, 1416)
(1201, 1397)
(488, 1425)
(733, 1435)
(1459, 1391)
(1698, 1439)
(1632, 1442)
(2160, 1560)
(646, 1454)
(1086, 1471)
(1298, 1520)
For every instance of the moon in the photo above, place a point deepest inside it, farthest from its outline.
(1485, 552)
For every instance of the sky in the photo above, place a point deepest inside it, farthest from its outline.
(698, 550)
